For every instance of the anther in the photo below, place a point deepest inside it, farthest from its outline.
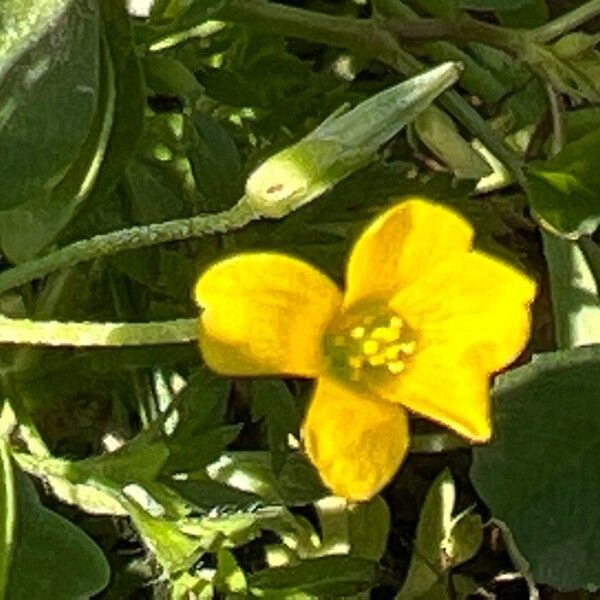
(391, 352)
(358, 333)
(377, 360)
(386, 334)
(396, 323)
(396, 367)
(370, 347)
(408, 347)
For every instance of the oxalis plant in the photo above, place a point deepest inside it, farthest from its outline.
(299, 300)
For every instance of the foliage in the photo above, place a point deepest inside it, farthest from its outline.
(138, 147)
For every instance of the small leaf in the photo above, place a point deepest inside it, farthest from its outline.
(369, 528)
(564, 190)
(230, 578)
(52, 558)
(539, 475)
(272, 401)
(441, 543)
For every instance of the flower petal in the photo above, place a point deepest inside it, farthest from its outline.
(449, 389)
(264, 314)
(407, 240)
(474, 302)
(356, 440)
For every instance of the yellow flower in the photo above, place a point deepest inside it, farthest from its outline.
(423, 323)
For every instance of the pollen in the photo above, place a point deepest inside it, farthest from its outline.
(364, 344)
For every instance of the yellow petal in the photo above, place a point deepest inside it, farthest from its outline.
(355, 440)
(449, 389)
(473, 302)
(264, 314)
(409, 239)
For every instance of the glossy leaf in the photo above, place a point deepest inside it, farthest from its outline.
(539, 474)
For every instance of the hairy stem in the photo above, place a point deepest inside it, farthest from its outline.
(56, 333)
(127, 239)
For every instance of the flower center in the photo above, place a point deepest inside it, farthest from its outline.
(369, 342)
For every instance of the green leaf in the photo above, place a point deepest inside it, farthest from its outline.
(215, 163)
(272, 401)
(7, 514)
(530, 14)
(564, 190)
(230, 577)
(327, 577)
(492, 4)
(296, 484)
(200, 436)
(574, 293)
(441, 543)
(369, 528)
(52, 558)
(579, 123)
(174, 550)
(108, 145)
(540, 473)
(440, 134)
(48, 94)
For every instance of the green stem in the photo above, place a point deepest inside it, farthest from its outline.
(127, 239)
(566, 22)
(466, 31)
(55, 333)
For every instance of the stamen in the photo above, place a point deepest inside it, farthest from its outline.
(364, 343)
(408, 347)
(396, 367)
(391, 352)
(377, 361)
(386, 334)
(358, 333)
(370, 347)
(396, 323)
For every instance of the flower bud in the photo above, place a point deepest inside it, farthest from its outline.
(344, 142)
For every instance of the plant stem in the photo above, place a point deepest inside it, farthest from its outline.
(127, 239)
(457, 31)
(55, 333)
(566, 22)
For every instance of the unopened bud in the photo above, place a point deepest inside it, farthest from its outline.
(343, 143)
